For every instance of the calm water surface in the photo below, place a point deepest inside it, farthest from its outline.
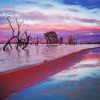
(79, 82)
(13, 59)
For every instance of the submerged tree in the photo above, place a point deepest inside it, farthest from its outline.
(37, 40)
(72, 39)
(60, 40)
(20, 40)
(51, 37)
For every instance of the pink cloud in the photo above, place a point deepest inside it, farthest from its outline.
(55, 27)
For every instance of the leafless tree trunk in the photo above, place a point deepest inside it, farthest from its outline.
(9, 41)
(38, 39)
(26, 40)
(20, 42)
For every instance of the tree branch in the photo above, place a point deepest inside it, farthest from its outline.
(13, 30)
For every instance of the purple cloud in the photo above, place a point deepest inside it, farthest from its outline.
(33, 15)
(87, 20)
(37, 3)
(73, 10)
(3, 20)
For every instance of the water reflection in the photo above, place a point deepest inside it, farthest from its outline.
(35, 54)
(50, 51)
(80, 82)
(88, 67)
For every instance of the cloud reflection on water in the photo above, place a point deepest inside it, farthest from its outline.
(88, 67)
(79, 82)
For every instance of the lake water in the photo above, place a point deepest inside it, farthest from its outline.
(13, 59)
(80, 82)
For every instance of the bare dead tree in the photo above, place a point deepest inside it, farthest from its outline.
(13, 36)
(26, 41)
(19, 41)
(18, 26)
(13, 30)
(73, 39)
(37, 39)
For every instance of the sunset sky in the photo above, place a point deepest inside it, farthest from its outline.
(66, 17)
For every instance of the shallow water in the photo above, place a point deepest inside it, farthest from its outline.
(79, 82)
(13, 59)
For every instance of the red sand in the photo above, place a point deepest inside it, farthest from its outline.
(19, 79)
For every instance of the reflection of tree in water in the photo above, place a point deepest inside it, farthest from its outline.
(26, 52)
(8, 52)
(27, 55)
(37, 49)
(22, 56)
(50, 51)
(18, 56)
